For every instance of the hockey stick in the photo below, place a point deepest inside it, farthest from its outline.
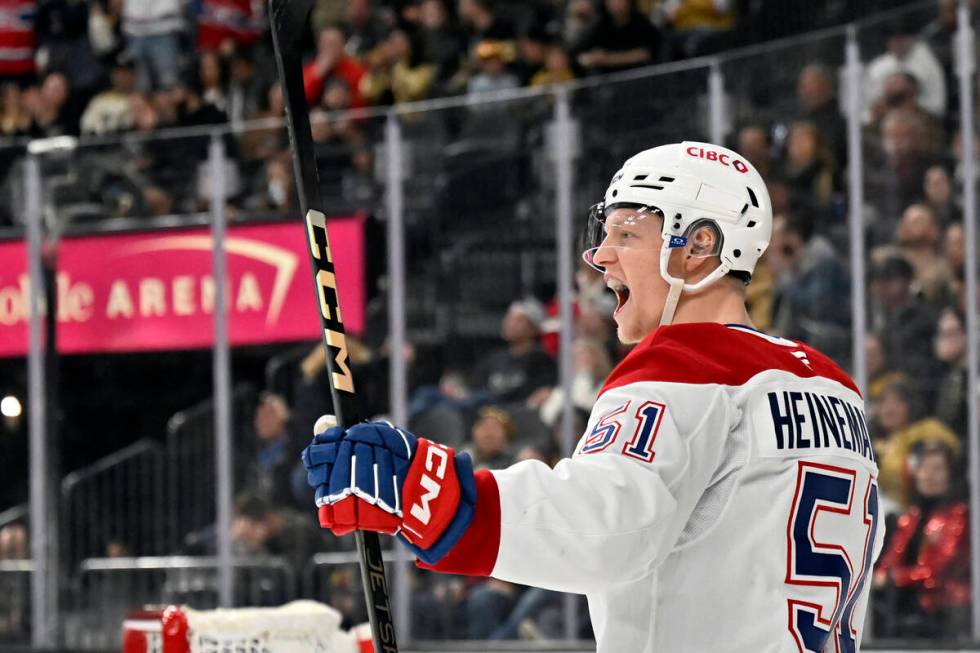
(289, 19)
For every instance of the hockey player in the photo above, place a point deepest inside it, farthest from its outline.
(723, 496)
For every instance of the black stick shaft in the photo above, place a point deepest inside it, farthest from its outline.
(289, 19)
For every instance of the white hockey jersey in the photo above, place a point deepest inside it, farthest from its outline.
(723, 498)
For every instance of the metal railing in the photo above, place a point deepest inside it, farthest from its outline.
(117, 502)
(190, 454)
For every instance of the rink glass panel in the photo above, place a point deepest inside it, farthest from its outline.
(479, 216)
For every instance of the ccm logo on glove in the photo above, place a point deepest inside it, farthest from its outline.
(432, 491)
(421, 510)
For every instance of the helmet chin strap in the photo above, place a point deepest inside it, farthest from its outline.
(673, 297)
(678, 286)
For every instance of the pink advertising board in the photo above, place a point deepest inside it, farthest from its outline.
(155, 290)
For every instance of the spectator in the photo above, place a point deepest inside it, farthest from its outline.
(152, 29)
(226, 25)
(818, 105)
(53, 115)
(895, 172)
(515, 372)
(954, 248)
(338, 99)
(759, 294)
(276, 453)
(13, 542)
(105, 29)
(810, 286)
(959, 172)
(63, 46)
(492, 58)
(397, 72)
(755, 144)
(490, 439)
(881, 374)
(358, 185)
(532, 48)
(194, 111)
(441, 44)
(900, 91)
(808, 167)
(938, 195)
(950, 348)
(918, 236)
(260, 529)
(213, 78)
(245, 89)
(332, 62)
(156, 171)
(904, 321)
(592, 312)
(110, 111)
(18, 40)
(591, 367)
(925, 570)
(275, 194)
(580, 17)
(488, 605)
(700, 26)
(557, 67)
(908, 54)
(364, 27)
(482, 22)
(327, 13)
(917, 241)
(262, 143)
(15, 120)
(622, 38)
(898, 430)
(940, 36)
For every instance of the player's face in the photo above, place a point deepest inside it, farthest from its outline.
(630, 254)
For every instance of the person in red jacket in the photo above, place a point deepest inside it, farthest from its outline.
(227, 21)
(925, 570)
(18, 40)
(332, 61)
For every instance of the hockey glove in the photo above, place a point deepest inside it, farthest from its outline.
(377, 477)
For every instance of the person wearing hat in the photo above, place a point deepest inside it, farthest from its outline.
(514, 372)
(110, 110)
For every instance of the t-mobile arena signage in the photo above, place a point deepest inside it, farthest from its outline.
(156, 291)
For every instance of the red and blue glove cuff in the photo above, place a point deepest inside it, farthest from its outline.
(431, 552)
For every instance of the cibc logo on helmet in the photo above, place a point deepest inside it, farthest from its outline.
(722, 158)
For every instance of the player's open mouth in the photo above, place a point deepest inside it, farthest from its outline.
(622, 293)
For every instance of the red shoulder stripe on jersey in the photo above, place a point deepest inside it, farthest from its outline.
(476, 552)
(708, 353)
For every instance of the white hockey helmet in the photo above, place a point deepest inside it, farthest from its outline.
(692, 185)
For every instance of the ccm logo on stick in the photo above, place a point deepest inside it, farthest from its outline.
(421, 510)
(326, 286)
(720, 157)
